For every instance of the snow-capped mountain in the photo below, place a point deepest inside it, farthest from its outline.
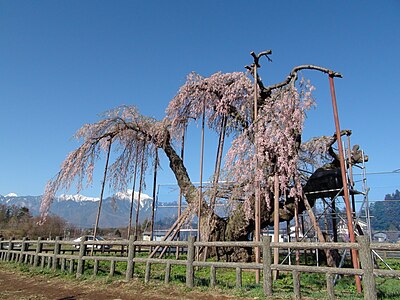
(119, 195)
(81, 210)
(144, 198)
(11, 195)
(76, 198)
(30, 202)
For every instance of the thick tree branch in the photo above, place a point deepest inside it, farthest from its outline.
(293, 76)
(189, 191)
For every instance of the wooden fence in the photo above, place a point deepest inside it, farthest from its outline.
(58, 254)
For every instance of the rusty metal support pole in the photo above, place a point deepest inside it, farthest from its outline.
(344, 181)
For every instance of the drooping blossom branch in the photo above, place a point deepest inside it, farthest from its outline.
(225, 94)
(127, 127)
(275, 135)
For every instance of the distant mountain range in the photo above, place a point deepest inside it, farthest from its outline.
(81, 211)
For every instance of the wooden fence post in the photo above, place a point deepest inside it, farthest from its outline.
(38, 250)
(63, 261)
(42, 261)
(296, 285)
(367, 265)
(189, 263)
(329, 286)
(49, 259)
(267, 259)
(1, 248)
(147, 272)
(130, 267)
(239, 277)
(167, 272)
(4, 252)
(112, 268)
(71, 266)
(57, 247)
(23, 249)
(10, 248)
(81, 263)
(95, 267)
(27, 256)
(213, 276)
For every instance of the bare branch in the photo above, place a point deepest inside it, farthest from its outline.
(293, 76)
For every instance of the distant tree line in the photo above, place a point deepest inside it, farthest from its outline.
(18, 222)
(393, 196)
(385, 214)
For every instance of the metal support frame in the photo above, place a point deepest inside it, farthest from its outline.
(344, 181)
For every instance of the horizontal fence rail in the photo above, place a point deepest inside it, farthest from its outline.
(69, 256)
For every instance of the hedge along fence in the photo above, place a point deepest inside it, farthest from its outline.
(54, 255)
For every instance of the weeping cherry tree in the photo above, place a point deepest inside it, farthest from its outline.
(227, 100)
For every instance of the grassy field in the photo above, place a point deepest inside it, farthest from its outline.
(313, 286)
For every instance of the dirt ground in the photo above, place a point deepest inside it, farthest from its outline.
(15, 284)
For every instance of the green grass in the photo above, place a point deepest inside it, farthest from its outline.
(388, 288)
(312, 285)
(394, 263)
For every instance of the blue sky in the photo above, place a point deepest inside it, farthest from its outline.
(62, 63)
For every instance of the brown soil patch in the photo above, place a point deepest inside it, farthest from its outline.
(15, 284)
